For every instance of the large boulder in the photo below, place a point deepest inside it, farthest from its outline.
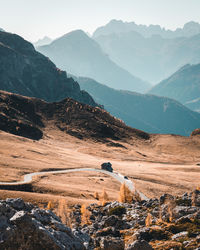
(139, 245)
(24, 226)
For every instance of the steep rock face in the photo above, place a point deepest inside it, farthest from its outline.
(27, 72)
(27, 117)
(24, 226)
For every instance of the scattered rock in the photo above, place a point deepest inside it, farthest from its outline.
(139, 245)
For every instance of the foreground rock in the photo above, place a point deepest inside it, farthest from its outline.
(166, 223)
(169, 222)
(24, 226)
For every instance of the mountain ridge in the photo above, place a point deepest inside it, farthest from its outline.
(80, 55)
(117, 26)
(151, 58)
(26, 116)
(27, 72)
(183, 85)
(150, 113)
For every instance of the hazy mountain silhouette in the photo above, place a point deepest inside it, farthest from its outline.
(183, 85)
(152, 58)
(147, 112)
(44, 41)
(25, 71)
(118, 26)
(82, 56)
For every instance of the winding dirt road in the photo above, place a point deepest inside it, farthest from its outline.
(28, 178)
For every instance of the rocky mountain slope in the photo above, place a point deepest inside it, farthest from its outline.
(25, 71)
(151, 58)
(147, 112)
(183, 85)
(118, 26)
(29, 116)
(80, 55)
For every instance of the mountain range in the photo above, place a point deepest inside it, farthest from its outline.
(25, 71)
(80, 55)
(117, 26)
(151, 58)
(183, 85)
(150, 113)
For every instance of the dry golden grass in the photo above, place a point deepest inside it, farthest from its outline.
(165, 155)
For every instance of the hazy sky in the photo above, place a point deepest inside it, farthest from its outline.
(33, 19)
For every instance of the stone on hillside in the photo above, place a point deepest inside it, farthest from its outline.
(139, 245)
(108, 243)
(180, 235)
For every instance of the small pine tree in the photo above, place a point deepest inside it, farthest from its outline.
(50, 205)
(125, 195)
(63, 212)
(148, 220)
(85, 214)
(104, 197)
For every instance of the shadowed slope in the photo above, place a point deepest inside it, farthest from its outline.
(27, 116)
(25, 71)
(150, 113)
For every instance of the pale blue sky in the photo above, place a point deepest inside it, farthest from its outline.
(33, 19)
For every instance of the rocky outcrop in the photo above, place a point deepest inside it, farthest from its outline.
(164, 223)
(25, 71)
(27, 117)
(24, 226)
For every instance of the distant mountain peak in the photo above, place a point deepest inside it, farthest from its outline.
(191, 24)
(76, 33)
(80, 55)
(43, 41)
